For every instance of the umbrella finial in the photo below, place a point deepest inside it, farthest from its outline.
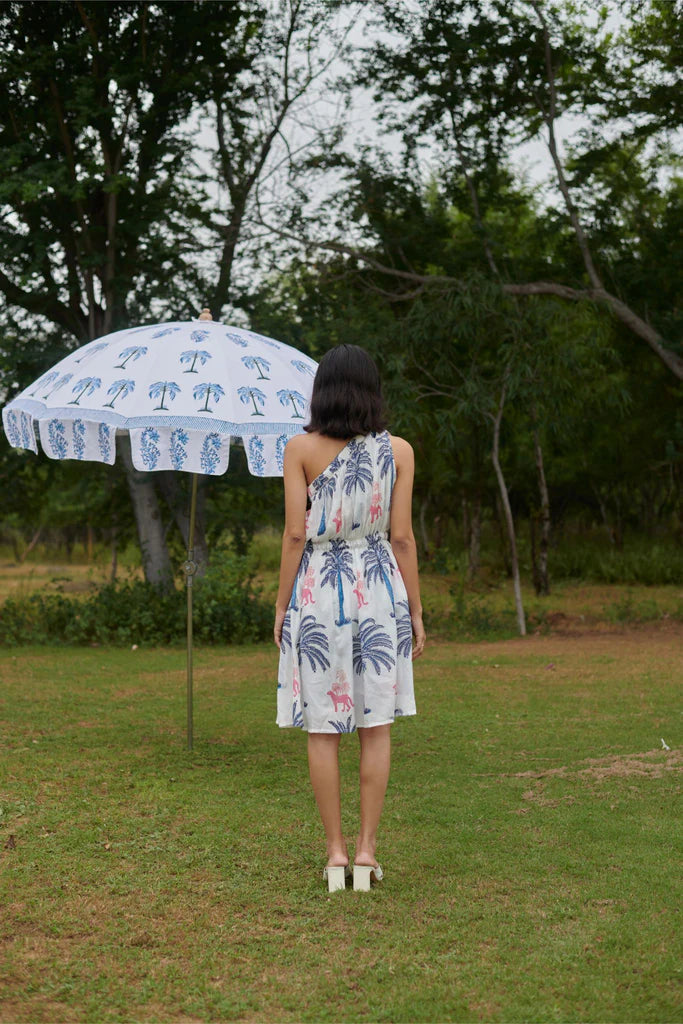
(205, 315)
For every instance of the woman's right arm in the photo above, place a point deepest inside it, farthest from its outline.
(402, 537)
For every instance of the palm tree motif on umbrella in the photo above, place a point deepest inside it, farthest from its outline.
(259, 364)
(237, 339)
(120, 388)
(253, 394)
(163, 388)
(206, 390)
(312, 643)
(87, 386)
(192, 357)
(286, 396)
(60, 384)
(371, 646)
(92, 351)
(199, 336)
(44, 382)
(337, 564)
(377, 563)
(134, 353)
(303, 367)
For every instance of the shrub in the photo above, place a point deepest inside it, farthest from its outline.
(227, 609)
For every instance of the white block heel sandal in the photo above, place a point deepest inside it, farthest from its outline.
(335, 877)
(362, 876)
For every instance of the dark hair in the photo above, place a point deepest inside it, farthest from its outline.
(347, 394)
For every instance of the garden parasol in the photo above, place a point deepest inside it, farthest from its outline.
(181, 391)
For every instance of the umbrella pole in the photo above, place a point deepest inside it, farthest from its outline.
(190, 569)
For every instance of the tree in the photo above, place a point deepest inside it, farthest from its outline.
(477, 74)
(97, 225)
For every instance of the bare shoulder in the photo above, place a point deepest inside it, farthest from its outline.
(403, 451)
(296, 447)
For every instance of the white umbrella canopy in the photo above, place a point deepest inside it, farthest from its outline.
(182, 392)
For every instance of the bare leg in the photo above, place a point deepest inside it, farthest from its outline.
(323, 767)
(375, 760)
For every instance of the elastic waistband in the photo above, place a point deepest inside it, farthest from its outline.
(351, 541)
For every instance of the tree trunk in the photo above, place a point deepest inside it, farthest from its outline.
(155, 560)
(521, 622)
(474, 546)
(543, 586)
(34, 541)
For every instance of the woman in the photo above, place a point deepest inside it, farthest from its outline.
(349, 599)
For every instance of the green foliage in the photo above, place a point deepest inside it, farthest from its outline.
(638, 561)
(227, 609)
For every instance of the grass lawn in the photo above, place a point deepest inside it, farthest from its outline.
(529, 841)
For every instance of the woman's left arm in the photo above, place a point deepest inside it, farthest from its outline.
(294, 534)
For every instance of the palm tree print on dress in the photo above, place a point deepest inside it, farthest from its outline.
(286, 638)
(253, 394)
(134, 353)
(259, 364)
(343, 726)
(313, 643)
(119, 388)
(386, 455)
(337, 563)
(87, 386)
(214, 391)
(404, 629)
(192, 357)
(163, 388)
(377, 563)
(286, 396)
(297, 717)
(301, 572)
(324, 488)
(371, 646)
(358, 467)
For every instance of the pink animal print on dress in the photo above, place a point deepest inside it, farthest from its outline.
(307, 589)
(340, 693)
(337, 519)
(376, 506)
(359, 590)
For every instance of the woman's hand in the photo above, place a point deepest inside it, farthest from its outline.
(419, 635)
(277, 628)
